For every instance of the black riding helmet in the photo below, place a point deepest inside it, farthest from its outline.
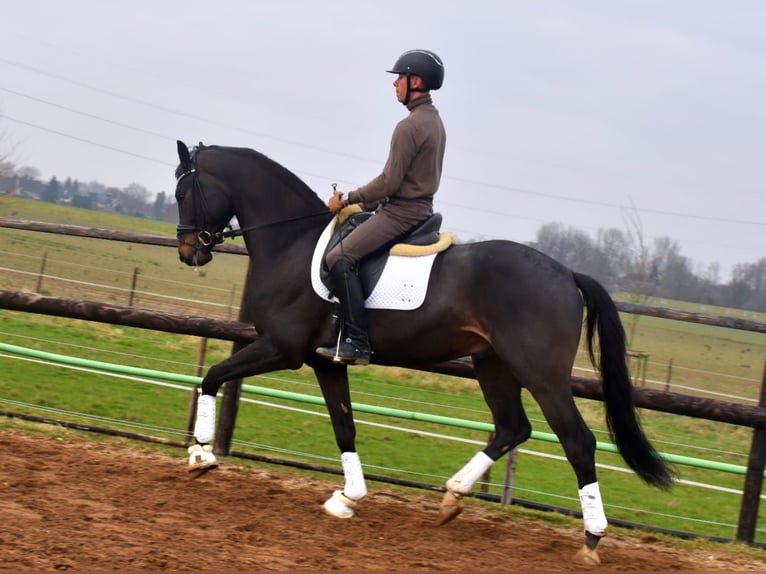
(423, 63)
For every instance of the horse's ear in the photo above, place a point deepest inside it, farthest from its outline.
(183, 155)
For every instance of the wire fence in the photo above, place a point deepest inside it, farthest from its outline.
(136, 287)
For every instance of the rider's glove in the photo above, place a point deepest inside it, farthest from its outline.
(336, 202)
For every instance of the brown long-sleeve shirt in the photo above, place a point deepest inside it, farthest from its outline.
(414, 166)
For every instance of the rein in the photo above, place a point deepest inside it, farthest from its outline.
(208, 239)
(231, 232)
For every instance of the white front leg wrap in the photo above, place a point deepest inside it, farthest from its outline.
(467, 476)
(593, 515)
(204, 426)
(201, 456)
(355, 488)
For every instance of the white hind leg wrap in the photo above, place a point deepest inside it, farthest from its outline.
(355, 488)
(467, 476)
(204, 427)
(593, 515)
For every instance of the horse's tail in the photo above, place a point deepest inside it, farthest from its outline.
(621, 416)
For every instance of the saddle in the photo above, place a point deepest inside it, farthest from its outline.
(423, 239)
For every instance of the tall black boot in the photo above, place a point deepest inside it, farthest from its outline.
(354, 344)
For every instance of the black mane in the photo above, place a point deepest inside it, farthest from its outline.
(278, 171)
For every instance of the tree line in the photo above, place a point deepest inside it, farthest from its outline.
(133, 200)
(624, 262)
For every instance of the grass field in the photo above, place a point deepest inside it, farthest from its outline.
(697, 359)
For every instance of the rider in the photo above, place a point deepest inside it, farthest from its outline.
(402, 197)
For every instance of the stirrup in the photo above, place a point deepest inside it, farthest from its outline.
(345, 352)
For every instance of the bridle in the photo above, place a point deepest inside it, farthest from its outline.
(206, 239)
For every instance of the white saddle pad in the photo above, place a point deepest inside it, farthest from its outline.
(402, 285)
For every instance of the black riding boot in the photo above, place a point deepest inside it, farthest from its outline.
(354, 344)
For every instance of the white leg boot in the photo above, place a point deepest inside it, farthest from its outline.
(464, 479)
(593, 515)
(461, 484)
(201, 457)
(342, 503)
(355, 487)
(204, 426)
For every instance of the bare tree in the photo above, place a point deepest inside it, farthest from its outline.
(9, 182)
(672, 272)
(133, 200)
(28, 172)
(638, 282)
(747, 289)
(614, 248)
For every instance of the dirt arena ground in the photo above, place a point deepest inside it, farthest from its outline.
(76, 504)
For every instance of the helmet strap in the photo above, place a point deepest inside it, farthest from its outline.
(408, 93)
(410, 89)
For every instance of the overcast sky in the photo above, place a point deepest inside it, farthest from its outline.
(595, 114)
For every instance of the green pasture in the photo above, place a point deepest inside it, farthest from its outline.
(697, 359)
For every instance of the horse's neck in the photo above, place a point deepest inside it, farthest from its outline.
(281, 216)
(290, 243)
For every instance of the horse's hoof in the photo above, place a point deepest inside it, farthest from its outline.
(451, 507)
(589, 556)
(339, 505)
(201, 459)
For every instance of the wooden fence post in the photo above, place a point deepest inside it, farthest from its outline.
(510, 476)
(39, 287)
(506, 495)
(133, 287)
(751, 497)
(670, 375)
(231, 300)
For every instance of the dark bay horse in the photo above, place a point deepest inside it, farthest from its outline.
(517, 313)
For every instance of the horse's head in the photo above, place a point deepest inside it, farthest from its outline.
(204, 209)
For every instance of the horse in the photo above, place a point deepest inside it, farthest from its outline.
(515, 312)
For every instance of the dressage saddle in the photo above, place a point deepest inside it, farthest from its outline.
(371, 267)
